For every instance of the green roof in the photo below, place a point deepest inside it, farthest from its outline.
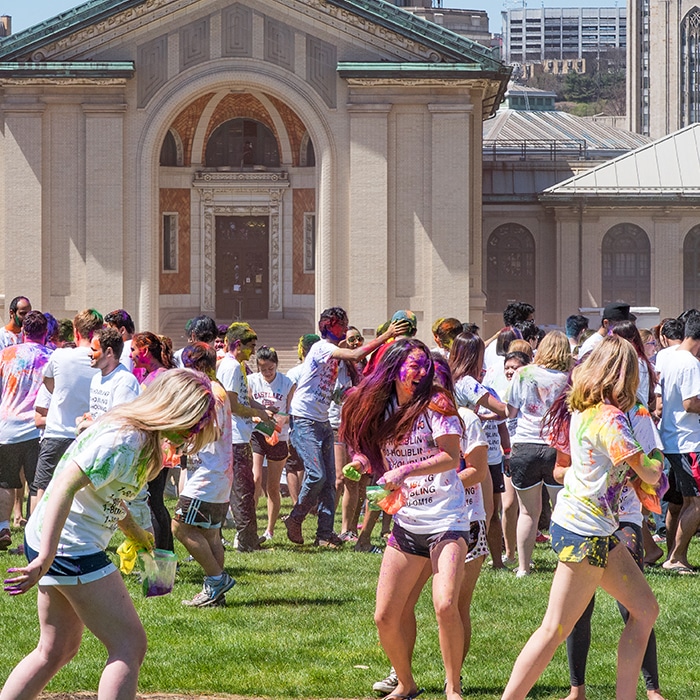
(67, 69)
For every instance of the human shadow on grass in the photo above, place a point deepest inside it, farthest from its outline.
(266, 602)
(194, 573)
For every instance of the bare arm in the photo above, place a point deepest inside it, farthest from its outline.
(648, 469)
(446, 459)
(477, 466)
(40, 416)
(238, 409)
(692, 405)
(493, 404)
(358, 354)
(134, 531)
(67, 484)
(49, 384)
(561, 465)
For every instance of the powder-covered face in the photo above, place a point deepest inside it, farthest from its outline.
(243, 351)
(510, 367)
(95, 353)
(139, 356)
(336, 331)
(353, 339)
(413, 371)
(23, 308)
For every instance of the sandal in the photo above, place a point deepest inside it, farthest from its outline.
(408, 696)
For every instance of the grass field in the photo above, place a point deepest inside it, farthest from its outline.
(299, 624)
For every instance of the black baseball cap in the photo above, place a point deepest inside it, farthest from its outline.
(619, 311)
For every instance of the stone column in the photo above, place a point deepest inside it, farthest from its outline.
(24, 213)
(666, 241)
(452, 202)
(105, 276)
(367, 258)
(568, 293)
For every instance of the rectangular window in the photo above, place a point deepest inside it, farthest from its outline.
(309, 242)
(170, 242)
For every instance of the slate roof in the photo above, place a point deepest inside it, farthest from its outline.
(667, 170)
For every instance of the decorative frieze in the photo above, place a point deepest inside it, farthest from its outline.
(194, 43)
(321, 64)
(279, 44)
(237, 31)
(151, 68)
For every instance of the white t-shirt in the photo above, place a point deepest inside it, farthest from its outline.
(273, 396)
(210, 471)
(314, 392)
(680, 380)
(233, 379)
(343, 382)
(532, 391)
(8, 338)
(125, 357)
(473, 436)
(294, 374)
(643, 388)
(662, 357)
(70, 399)
(589, 344)
(435, 502)
(491, 357)
(469, 392)
(119, 386)
(601, 440)
(110, 455)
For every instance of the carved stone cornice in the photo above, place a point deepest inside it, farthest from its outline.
(241, 179)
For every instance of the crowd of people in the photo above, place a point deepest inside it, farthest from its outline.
(477, 447)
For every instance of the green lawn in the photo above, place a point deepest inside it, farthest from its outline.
(299, 624)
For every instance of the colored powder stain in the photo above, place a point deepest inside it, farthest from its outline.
(560, 630)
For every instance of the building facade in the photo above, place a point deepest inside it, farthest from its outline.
(663, 85)
(538, 34)
(253, 159)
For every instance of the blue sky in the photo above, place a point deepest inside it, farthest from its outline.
(26, 13)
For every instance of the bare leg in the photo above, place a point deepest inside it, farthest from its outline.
(509, 501)
(364, 541)
(18, 518)
(448, 571)
(472, 570)
(258, 476)
(494, 534)
(652, 551)
(294, 481)
(203, 544)
(274, 474)
(688, 523)
(341, 459)
(530, 501)
(398, 576)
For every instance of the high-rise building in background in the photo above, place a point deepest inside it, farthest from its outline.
(538, 34)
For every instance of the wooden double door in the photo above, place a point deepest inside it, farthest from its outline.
(242, 267)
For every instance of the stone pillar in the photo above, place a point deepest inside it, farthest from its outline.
(24, 212)
(666, 241)
(568, 293)
(104, 206)
(448, 257)
(367, 258)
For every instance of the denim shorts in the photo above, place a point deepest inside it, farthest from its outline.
(422, 545)
(70, 571)
(572, 547)
(531, 464)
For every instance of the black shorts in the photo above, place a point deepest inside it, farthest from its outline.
(499, 484)
(50, 452)
(261, 446)
(531, 464)
(686, 470)
(422, 545)
(294, 464)
(208, 516)
(13, 458)
(673, 495)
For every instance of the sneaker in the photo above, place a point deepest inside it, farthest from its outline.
(348, 536)
(333, 541)
(265, 537)
(211, 591)
(5, 538)
(235, 541)
(387, 685)
(293, 530)
(541, 538)
(509, 563)
(521, 573)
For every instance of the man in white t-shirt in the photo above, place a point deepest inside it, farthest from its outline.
(233, 375)
(680, 432)
(311, 433)
(515, 312)
(612, 314)
(671, 336)
(67, 376)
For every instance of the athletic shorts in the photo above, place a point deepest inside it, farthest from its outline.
(422, 545)
(294, 463)
(686, 470)
(478, 546)
(531, 464)
(70, 571)
(50, 452)
(261, 446)
(13, 458)
(672, 495)
(572, 547)
(499, 484)
(208, 516)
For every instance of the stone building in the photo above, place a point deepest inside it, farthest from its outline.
(255, 159)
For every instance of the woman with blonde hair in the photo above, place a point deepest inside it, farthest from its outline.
(530, 393)
(84, 503)
(604, 456)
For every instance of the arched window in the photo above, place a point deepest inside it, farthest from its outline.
(168, 151)
(510, 267)
(690, 63)
(242, 143)
(626, 274)
(691, 269)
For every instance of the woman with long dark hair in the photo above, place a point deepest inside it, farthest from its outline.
(408, 432)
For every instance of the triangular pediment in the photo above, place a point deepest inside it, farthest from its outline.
(385, 30)
(668, 168)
